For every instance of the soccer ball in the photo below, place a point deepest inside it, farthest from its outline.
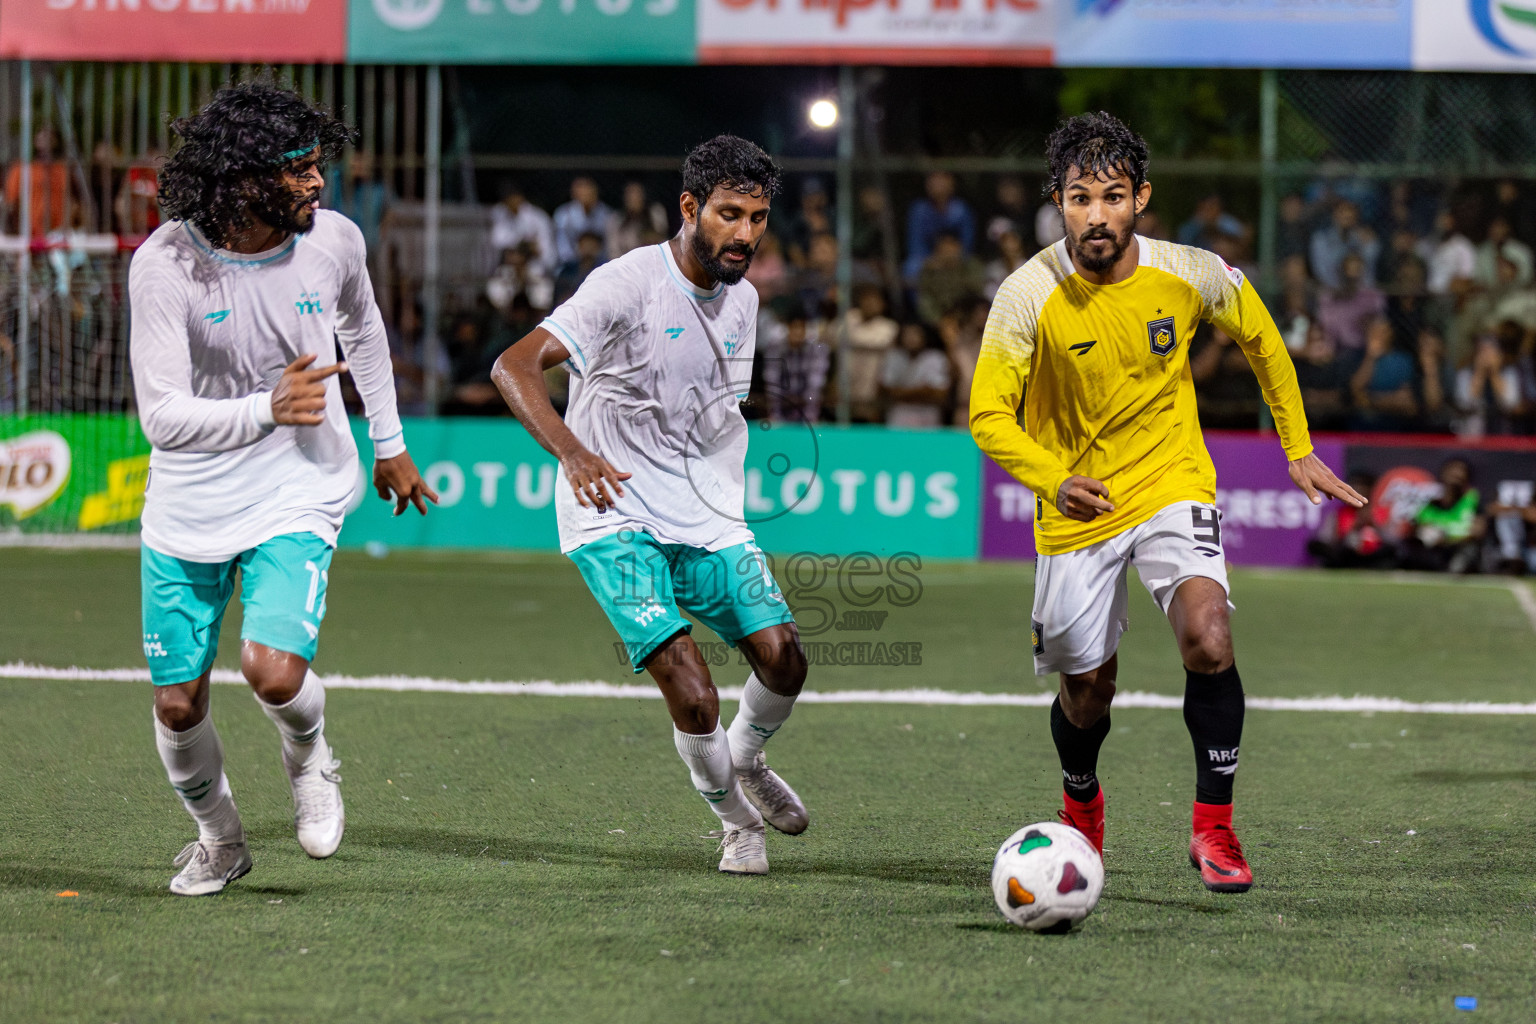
(1047, 876)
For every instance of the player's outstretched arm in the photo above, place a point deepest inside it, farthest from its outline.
(519, 376)
(397, 480)
(1313, 476)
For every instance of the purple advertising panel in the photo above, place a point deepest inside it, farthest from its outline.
(1265, 519)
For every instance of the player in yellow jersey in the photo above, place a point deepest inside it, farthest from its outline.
(1092, 338)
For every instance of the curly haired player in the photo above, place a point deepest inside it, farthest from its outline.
(238, 302)
(1098, 326)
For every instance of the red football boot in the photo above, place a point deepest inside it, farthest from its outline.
(1087, 818)
(1214, 849)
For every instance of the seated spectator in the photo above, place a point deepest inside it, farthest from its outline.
(1514, 527)
(1494, 393)
(1010, 212)
(1383, 384)
(871, 333)
(1448, 531)
(938, 212)
(769, 271)
(1434, 381)
(1347, 309)
(815, 284)
(1450, 256)
(1408, 307)
(1515, 205)
(515, 221)
(1228, 393)
(137, 206)
(1049, 227)
(582, 215)
(520, 273)
(1348, 537)
(814, 217)
(1501, 244)
(795, 372)
(1296, 310)
(1208, 221)
(1293, 232)
(55, 201)
(915, 379)
(948, 277)
(1344, 235)
(472, 357)
(1510, 300)
(589, 256)
(1323, 377)
(961, 329)
(1011, 256)
(640, 222)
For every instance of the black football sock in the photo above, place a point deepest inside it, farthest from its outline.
(1079, 752)
(1213, 712)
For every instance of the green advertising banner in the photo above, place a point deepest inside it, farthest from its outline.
(72, 474)
(827, 490)
(521, 31)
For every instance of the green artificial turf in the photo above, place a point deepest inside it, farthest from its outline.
(538, 859)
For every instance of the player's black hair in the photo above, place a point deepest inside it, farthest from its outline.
(1097, 144)
(233, 150)
(726, 161)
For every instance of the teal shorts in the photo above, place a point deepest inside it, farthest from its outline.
(282, 589)
(642, 583)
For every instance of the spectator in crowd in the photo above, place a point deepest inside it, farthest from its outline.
(813, 218)
(1324, 381)
(1293, 231)
(869, 224)
(948, 276)
(1348, 308)
(1450, 256)
(1408, 306)
(1010, 211)
(584, 214)
(640, 221)
(1348, 537)
(104, 183)
(1383, 383)
(1208, 221)
(795, 372)
(939, 212)
(1296, 310)
(1434, 380)
(137, 205)
(515, 221)
(1501, 244)
(1494, 394)
(1448, 531)
(1150, 225)
(55, 204)
(769, 272)
(915, 379)
(588, 257)
(1228, 395)
(1049, 228)
(520, 273)
(815, 284)
(961, 329)
(1514, 527)
(1515, 205)
(363, 199)
(473, 355)
(871, 333)
(1343, 236)
(1010, 257)
(1509, 299)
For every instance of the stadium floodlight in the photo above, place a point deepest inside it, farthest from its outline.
(823, 114)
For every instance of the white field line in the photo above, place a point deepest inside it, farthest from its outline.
(1525, 599)
(598, 688)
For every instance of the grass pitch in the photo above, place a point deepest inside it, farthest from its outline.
(537, 859)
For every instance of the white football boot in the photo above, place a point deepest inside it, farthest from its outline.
(743, 849)
(779, 805)
(207, 868)
(318, 816)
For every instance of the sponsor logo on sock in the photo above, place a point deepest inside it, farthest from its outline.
(1079, 781)
(764, 733)
(1225, 760)
(714, 796)
(196, 791)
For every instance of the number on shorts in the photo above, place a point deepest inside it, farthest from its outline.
(1206, 519)
(316, 576)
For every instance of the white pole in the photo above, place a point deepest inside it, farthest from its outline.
(847, 102)
(431, 285)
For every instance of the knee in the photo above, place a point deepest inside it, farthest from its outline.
(783, 669)
(1086, 698)
(276, 676)
(176, 709)
(1206, 646)
(695, 706)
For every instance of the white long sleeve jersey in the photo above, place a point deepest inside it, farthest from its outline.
(211, 333)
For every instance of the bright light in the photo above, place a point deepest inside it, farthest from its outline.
(823, 113)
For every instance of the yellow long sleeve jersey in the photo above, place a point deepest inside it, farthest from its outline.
(1109, 392)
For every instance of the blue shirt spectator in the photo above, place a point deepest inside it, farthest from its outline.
(584, 214)
(940, 212)
(1343, 236)
(1208, 222)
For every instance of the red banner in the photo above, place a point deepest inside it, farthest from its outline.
(268, 31)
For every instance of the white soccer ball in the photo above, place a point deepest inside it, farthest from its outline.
(1047, 875)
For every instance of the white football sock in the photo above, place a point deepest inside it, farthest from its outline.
(301, 722)
(708, 758)
(194, 762)
(761, 714)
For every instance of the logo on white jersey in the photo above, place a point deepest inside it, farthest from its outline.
(674, 332)
(309, 302)
(218, 316)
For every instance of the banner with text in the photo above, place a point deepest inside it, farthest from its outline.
(269, 31)
(1474, 35)
(72, 474)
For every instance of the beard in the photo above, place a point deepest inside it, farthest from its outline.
(286, 210)
(1099, 263)
(713, 260)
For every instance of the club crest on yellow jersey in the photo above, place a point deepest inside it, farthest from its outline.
(1163, 336)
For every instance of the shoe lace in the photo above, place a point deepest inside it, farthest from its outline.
(195, 850)
(1224, 841)
(766, 785)
(747, 841)
(316, 789)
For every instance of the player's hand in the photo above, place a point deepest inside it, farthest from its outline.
(1312, 475)
(299, 398)
(396, 480)
(1083, 498)
(591, 476)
